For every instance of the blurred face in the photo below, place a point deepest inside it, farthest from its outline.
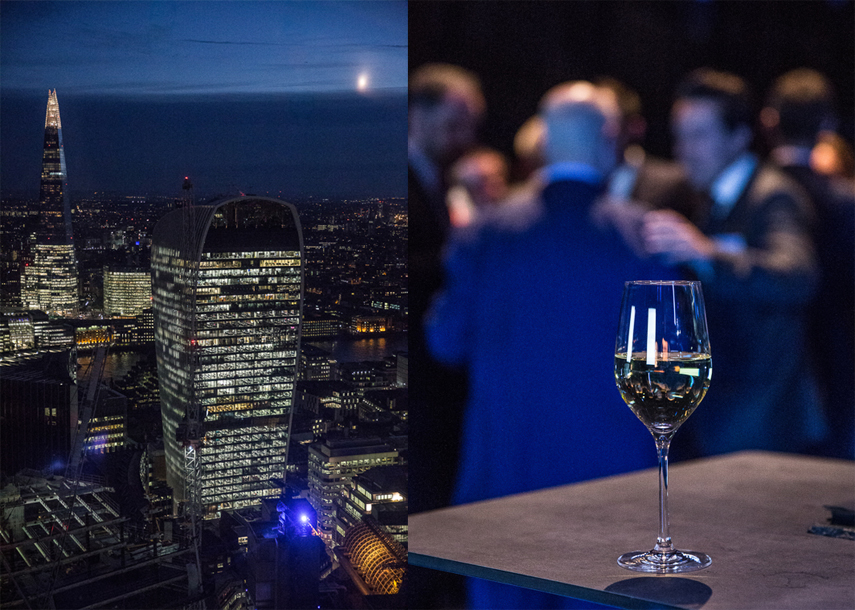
(444, 133)
(703, 144)
(484, 176)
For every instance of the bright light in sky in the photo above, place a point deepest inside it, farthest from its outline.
(170, 48)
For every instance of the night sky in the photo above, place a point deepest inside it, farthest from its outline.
(297, 98)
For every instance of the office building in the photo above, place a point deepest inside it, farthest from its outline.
(50, 280)
(39, 412)
(25, 335)
(315, 364)
(332, 466)
(127, 292)
(228, 351)
(380, 494)
(108, 424)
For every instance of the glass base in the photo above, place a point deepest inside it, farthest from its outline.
(675, 562)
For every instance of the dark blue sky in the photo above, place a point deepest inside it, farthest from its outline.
(306, 98)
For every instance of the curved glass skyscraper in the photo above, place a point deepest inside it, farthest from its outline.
(227, 287)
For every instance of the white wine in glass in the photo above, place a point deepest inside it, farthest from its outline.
(663, 369)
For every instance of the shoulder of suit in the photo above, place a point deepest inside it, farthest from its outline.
(772, 181)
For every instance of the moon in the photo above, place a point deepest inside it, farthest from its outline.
(362, 82)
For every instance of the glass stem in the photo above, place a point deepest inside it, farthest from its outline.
(663, 544)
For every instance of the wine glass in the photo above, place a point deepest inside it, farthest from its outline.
(663, 369)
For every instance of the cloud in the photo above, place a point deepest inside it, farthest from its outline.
(238, 42)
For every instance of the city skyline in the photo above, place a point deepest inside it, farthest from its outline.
(228, 354)
(279, 99)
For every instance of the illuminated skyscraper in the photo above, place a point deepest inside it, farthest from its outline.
(229, 349)
(127, 292)
(50, 281)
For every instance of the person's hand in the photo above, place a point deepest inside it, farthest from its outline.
(671, 236)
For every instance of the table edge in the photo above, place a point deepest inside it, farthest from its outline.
(597, 596)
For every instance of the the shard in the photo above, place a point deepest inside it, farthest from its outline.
(50, 280)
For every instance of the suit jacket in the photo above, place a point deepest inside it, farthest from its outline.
(763, 394)
(831, 320)
(530, 309)
(437, 392)
(663, 185)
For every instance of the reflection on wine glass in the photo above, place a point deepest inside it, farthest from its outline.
(663, 369)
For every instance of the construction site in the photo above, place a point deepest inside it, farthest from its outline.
(65, 545)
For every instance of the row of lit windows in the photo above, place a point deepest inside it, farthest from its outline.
(259, 284)
(212, 467)
(242, 385)
(248, 272)
(95, 429)
(230, 457)
(257, 254)
(259, 342)
(273, 374)
(254, 414)
(263, 473)
(289, 315)
(272, 433)
(207, 402)
(249, 353)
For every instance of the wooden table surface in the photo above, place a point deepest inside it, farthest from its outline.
(750, 511)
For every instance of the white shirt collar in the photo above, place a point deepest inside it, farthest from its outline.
(581, 172)
(731, 182)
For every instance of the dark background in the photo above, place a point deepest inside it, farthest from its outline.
(520, 49)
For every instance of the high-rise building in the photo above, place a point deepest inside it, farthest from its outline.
(127, 292)
(229, 349)
(50, 281)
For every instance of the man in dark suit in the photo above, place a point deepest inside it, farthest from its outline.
(445, 107)
(530, 309)
(798, 107)
(753, 252)
(640, 177)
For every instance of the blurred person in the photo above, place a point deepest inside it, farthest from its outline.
(445, 106)
(799, 106)
(640, 177)
(528, 148)
(530, 309)
(479, 181)
(753, 252)
(833, 156)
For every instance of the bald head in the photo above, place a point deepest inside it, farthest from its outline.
(582, 123)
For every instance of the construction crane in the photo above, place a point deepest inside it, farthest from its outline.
(190, 433)
(74, 466)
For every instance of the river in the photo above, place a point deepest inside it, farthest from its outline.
(344, 349)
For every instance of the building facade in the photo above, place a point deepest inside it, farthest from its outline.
(227, 287)
(49, 282)
(127, 292)
(332, 466)
(39, 412)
